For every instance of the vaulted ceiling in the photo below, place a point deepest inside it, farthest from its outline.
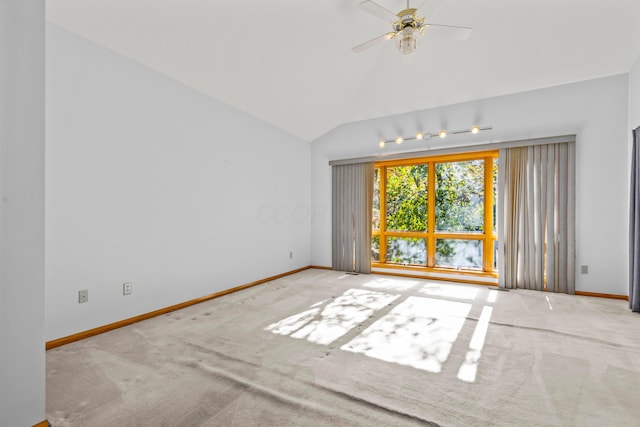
(289, 62)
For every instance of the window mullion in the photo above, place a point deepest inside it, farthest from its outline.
(431, 215)
(383, 214)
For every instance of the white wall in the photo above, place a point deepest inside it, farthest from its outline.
(634, 95)
(151, 182)
(22, 325)
(596, 111)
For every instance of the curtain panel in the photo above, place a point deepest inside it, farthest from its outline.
(352, 200)
(634, 225)
(536, 217)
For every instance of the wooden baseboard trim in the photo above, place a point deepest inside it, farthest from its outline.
(115, 325)
(320, 267)
(599, 295)
(44, 423)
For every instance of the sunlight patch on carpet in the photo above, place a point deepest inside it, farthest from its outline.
(391, 284)
(418, 332)
(336, 319)
(492, 297)
(469, 368)
(293, 323)
(450, 291)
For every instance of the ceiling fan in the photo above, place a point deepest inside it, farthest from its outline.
(408, 27)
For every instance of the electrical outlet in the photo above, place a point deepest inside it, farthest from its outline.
(127, 288)
(584, 269)
(83, 296)
(290, 255)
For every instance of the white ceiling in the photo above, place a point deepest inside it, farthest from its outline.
(289, 62)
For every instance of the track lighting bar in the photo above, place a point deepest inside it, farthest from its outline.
(423, 135)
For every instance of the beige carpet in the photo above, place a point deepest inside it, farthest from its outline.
(324, 348)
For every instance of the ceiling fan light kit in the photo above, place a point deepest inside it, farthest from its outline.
(441, 134)
(407, 42)
(407, 28)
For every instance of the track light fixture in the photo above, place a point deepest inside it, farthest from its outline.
(424, 135)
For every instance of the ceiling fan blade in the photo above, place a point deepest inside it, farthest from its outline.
(379, 11)
(448, 31)
(373, 42)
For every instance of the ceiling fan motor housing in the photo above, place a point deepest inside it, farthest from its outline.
(407, 18)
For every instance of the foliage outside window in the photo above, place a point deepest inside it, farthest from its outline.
(436, 213)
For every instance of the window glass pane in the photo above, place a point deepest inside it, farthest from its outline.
(375, 249)
(460, 196)
(407, 198)
(407, 250)
(375, 223)
(458, 253)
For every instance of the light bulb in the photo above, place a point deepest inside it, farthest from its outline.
(399, 140)
(475, 129)
(419, 135)
(442, 134)
(382, 144)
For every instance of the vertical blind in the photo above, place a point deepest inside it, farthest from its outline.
(352, 200)
(537, 217)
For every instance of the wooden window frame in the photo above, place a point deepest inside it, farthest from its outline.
(488, 236)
